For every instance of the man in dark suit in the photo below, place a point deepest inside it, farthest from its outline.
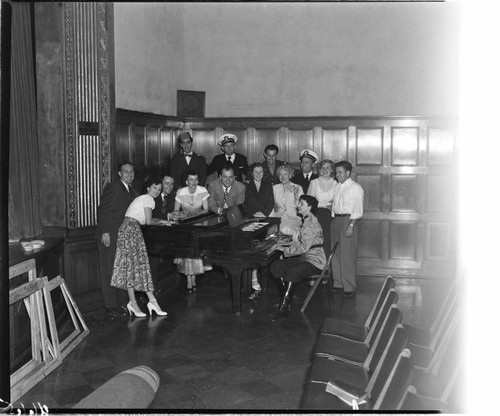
(187, 159)
(225, 192)
(165, 202)
(305, 175)
(238, 161)
(115, 200)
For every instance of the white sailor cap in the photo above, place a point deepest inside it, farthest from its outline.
(310, 154)
(227, 138)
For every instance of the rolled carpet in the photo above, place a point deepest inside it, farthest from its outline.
(131, 389)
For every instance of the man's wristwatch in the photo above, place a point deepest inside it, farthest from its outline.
(351, 225)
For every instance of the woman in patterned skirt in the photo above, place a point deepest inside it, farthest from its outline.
(131, 270)
(191, 200)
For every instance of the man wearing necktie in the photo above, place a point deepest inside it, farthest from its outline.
(115, 199)
(187, 159)
(306, 174)
(225, 192)
(164, 203)
(239, 162)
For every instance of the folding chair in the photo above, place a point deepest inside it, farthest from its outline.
(396, 387)
(325, 273)
(425, 337)
(355, 352)
(335, 385)
(350, 330)
(423, 356)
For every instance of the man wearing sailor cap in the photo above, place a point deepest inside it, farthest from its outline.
(227, 142)
(305, 175)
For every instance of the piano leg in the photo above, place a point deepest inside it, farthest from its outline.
(236, 275)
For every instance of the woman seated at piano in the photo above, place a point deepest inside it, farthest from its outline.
(286, 201)
(259, 202)
(189, 201)
(304, 257)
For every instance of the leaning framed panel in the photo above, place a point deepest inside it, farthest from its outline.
(35, 330)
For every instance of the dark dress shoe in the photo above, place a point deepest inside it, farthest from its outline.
(349, 294)
(338, 290)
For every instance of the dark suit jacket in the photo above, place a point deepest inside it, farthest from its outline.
(268, 176)
(157, 212)
(298, 178)
(259, 201)
(178, 167)
(115, 200)
(215, 188)
(240, 165)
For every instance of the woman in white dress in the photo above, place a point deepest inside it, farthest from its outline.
(286, 201)
(322, 189)
(191, 200)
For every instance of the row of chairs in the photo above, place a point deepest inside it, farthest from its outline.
(383, 364)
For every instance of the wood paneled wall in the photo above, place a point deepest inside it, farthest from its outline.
(406, 166)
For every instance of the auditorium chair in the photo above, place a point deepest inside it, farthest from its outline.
(355, 352)
(318, 278)
(422, 356)
(397, 384)
(350, 330)
(425, 337)
(364, 383)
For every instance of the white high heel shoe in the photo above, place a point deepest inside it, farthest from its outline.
(152, 307)
(131, 310)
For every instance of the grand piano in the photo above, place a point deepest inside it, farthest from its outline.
(209, 236)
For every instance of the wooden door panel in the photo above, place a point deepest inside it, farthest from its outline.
(335, 144)
(438, 241)
(440, 194)
(441, 143)
(404, 146)
(404, 193)
(370, 239)
(403, 240)
(152, 146)
(369, 146)
(372, 187)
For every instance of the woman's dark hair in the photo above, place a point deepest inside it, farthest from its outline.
(189, 172)
(153, 181)
(311, 201)
(252, 167)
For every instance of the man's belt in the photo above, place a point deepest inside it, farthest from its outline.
(342, 215)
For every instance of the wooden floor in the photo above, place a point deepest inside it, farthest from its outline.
(207, 358)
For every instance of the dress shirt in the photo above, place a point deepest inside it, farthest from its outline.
(230, 158)
(348, 199)
(127, 187)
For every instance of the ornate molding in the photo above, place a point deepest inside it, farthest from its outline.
(104, 93)
(69, 94)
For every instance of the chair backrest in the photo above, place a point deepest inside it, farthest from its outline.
(391, 299)
(383, 338)
(384, 366)
(328, 264)
(450, 296)
(397, 384)
(389, 283)
(444, 323)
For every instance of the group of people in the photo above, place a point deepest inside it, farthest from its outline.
(318, 204)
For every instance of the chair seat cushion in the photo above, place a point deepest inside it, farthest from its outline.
(316, 398)
(325, 370)
(342, 349)
(344, 329)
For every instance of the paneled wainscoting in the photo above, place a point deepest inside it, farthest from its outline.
(406, 166)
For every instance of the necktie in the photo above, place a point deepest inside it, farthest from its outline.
(229, 159)
(128, 188)
(188, 154)
(307, 177)
(164, 204)
(226, 193)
